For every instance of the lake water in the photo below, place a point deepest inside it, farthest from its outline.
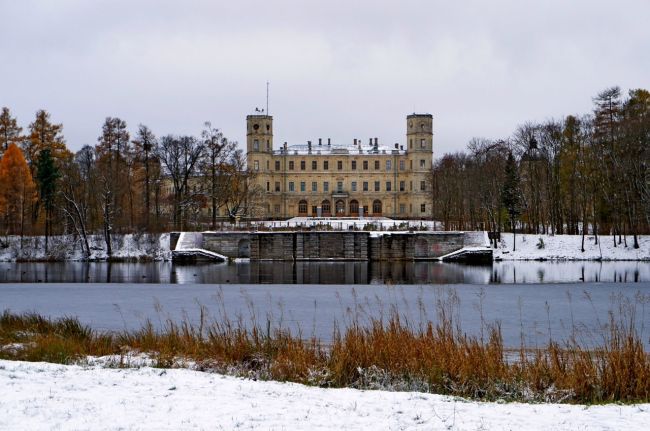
(326, 272)
(532, 301)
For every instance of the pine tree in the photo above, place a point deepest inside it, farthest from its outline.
(47, 174)
(9, 130)
(17, 190)
(511, 195)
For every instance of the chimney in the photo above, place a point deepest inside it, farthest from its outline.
(329, 142)
(355, 141)
(396, 145)
(370, 142)
(376, 142)
(309, 146)
(320, 142)
(401, 147)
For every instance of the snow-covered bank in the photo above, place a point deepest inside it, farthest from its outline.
(46, 396)
(567, 247)
(125, 247)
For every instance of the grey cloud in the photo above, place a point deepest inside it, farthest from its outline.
(340, 69)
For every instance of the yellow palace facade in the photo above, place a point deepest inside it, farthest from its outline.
(322, 179)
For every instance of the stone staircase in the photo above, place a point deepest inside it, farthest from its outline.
(189, 247)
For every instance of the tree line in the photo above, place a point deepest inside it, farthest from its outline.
(124, 183)
(585, 174)
(580, 174)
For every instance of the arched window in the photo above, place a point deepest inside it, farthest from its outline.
(354, 207)
(326, 208)
(302, 207)
(376, 207)
(340, 208)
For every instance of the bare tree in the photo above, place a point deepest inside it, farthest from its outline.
(180, 156)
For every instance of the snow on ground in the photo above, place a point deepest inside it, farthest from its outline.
(128, 246)
(567, 247)
(47, 396)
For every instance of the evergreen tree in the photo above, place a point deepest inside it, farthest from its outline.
(47, 175)
(511, 194)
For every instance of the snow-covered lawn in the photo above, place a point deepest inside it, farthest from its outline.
(47, 396)
(61, 248)
(567, 247)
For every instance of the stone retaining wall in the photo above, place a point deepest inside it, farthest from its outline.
(338, 245)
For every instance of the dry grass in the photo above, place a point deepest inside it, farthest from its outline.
(388, 353)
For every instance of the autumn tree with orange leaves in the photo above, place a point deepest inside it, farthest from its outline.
(17, 191)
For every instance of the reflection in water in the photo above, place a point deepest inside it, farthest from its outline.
(327, 272)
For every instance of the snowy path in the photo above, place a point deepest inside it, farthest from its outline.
(46, 396)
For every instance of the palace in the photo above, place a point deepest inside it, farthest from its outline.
(325, 179)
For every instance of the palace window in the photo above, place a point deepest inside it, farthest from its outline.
(291, 165)
(376, 186)
(314, 186)
(256, 145)
(277, 186)
(365, 165)
(423, 163)
(354, 165)
(388, 165)
(291, 187)
(268, 186)
(339, 186)
(388, 186)
(402, 165)
(402, 208)
(314, 165)
(326, 186)
(376, 165)
(277, 208)
(302, 165)
(339, 165)
(354, 206)
(402, 186)
(326, 165)
(423, 185)
(302, 207)
(423, 208)
(268, 145)
(365, 186)
(353, 186)
(277, 165)
(376, 207)
(326, 208)
(302, 186)
(267, 165)
(256, 165)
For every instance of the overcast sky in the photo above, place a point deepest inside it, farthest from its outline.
(339, 69)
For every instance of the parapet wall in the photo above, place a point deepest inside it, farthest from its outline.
(346, 245)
